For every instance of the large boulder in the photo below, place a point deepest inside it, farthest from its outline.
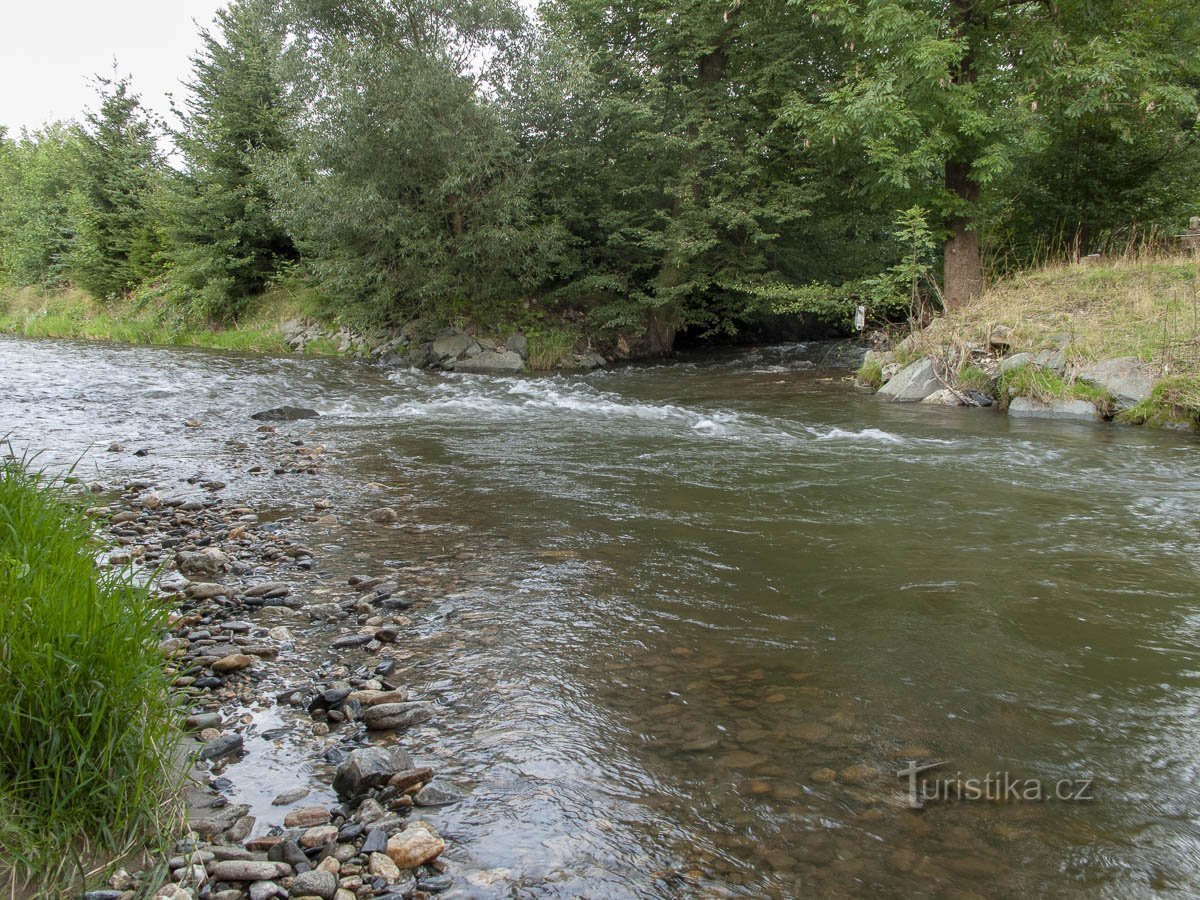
(1125, 378)
(490, 361)
(451, 345)
(913, 383)
(1071, 410)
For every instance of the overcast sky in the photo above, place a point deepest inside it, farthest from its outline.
(50, 49)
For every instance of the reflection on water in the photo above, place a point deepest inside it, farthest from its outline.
(688, 621)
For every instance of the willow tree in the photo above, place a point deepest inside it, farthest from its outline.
(944, 95)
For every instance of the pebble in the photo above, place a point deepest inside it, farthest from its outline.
(233, 663)
(432, 795)
(249, 870)
(319, 836)
(222, 746)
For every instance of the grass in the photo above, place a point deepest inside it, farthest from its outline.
(550, 348)
(1142, 305)
(1045, 385)
(71, 313)
(1174, 400)
(870, 373)
(87, 724)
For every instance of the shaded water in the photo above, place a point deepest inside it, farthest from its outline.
(675, 596)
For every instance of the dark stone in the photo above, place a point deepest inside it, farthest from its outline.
(222, 746)
(350, 640)
(979, 399)
(350, 832)
(435, 884)
(387, 667)
(285, 414)
(376, 841)
(366, 768)
(288, 852)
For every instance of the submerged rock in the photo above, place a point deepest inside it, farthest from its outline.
(285, 414)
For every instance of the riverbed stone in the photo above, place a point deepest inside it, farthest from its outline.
(222, 746)
(319, 836)
(415, 845)
(451, 345)
(366, 768)
(285, 414)
(306, 817)
(1069, 410)
(913, 383)
(234, 662)
(434, 795)
(386, 716)
(944, 397)
(249, 870)
(491, 361)
(317, 883)
(385, 515)
(1126, 378)
(206, 564)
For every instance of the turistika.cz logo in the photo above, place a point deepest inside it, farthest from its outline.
(994, 787)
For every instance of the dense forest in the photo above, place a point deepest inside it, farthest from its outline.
(641, 170)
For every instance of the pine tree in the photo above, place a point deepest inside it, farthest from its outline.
(116, 243)
(225, 246)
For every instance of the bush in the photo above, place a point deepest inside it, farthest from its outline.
(87, 725)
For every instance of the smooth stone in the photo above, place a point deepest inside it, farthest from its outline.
(222, 746)
(319, 836)
(432, 795)
(413, 846)
(201, 721)
(249, 870)
(383, 516)
(317, 883)
(235, 662)
(306, 817)
(381, 866)
(397, 715)
(290, 796)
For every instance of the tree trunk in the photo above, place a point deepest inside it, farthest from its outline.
(962, 261)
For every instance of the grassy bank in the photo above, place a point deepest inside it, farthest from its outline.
(87, 725)
(72, 313)
(1145, 306)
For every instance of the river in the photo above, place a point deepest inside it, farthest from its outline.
(704, 612)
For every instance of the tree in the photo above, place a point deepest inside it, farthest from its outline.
(117, 242)
(225, 245)
(405, 189)
(654, 127)
(945, 95)
(37, 175)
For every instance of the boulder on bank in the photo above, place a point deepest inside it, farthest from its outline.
(508, 361)
(366, 768)
(1070, 410)
(285, 414)
(913, 383)
(1125, 378)
(450, 345)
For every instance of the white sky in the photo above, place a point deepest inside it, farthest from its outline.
(50, 49)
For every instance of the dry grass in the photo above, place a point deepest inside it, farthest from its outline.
(1146, 306)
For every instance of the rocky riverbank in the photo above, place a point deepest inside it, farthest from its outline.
(1106, 341)
(258, 635)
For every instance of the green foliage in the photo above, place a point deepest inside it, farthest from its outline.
(550, 348)
(225, 245)
(1174, 400)
(870, 373)
(1044, 384)
(87, 731)
(117, 242)
(37, 175)
(404, 189)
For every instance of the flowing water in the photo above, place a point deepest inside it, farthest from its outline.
(680, 599)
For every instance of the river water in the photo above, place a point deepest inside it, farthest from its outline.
(686, 596)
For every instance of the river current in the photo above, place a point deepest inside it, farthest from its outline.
(703, 613)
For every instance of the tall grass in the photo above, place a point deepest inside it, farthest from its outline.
(88, 730)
